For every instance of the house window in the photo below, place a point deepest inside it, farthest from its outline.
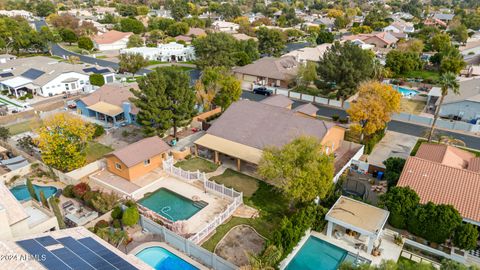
(81, 82)
(146, 162)
(67, 86)
(118, 166)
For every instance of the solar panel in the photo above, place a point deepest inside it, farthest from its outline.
(102, 71)
(32, 74)
(86, 254)
(46, 241)
(89, 69)
(97, 71)
(71, 259)
(5, 75)
(50, 261)
(106, 254)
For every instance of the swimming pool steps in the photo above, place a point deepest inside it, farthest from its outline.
(200, 204)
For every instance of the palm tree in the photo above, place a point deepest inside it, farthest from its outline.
(265, 261)
(448, 81)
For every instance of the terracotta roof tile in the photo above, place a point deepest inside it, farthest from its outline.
(445, 154)
(111, 37)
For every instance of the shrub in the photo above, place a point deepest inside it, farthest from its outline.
(29, 95)
(130, 216)
(130, 203)
(80, 189)
(23, 97)
(343, 120)
(393, 169)
(117, 212)
(89, 196)
(104, 202)
(372, 140)
(85, 43)
(97, 79)
(116, 224)
(335, 117)
(98, 131)
(101, 224)
(68, 191)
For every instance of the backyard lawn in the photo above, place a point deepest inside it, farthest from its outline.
(22, 127)
(411, 106)
(96, 151)
(194, 164)
(258, 194)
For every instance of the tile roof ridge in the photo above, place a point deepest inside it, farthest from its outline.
(443, 165)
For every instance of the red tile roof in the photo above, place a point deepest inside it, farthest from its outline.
(111, 37)
(445, 154)
(444, 184)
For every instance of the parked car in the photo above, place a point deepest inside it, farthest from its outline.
(262, 91)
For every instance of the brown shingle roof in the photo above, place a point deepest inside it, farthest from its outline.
(442, 184)
(111, 37)
(138, 152)
(445, 154)
(278, 100)
(112, 93)
(259, 125)
(284, 68)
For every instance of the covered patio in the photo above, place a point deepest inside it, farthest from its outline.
(19, 86)
(362, 222)
(107, 112)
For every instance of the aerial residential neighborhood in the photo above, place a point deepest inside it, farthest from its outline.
(252, 135)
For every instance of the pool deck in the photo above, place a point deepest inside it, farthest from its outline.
(169, 248)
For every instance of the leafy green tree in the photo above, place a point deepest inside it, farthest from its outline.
(341, 22)
(97, 79)
(178, 8)
(229, 11)
(43, 199)
(402, 62)
(215, 49)
(44, 8)
(465, 236)
(459, 32)
(393, 169)
(178, 28)
(142, 10)
(126, 10)
(155, 37)
(452, 61)
(131, 216)
(268, 259)
(301, 169)
(165, 101)
(343, 67)
(324, 37)
(134, 41)
(31, 190)
(85, 43)
(104, 202)
(401, 202)
(413, 7)
(246, 52)
(117, 212)
(230, 91)
(159, 23)
(131, 25)
(440, 42)
(68, 35)
(270, 41)
(131, 62)
(448, 82)
(4, 133)
(307, 74)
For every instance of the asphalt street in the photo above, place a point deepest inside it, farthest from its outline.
(397, 126)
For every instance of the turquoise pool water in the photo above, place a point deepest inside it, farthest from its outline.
(171, 205)
(161, 259)
(406, 92)
(22, 194)
(317, 254)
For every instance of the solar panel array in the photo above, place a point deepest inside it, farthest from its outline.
(32, 74)
(5, 75)
(82, 254)
(97, 71)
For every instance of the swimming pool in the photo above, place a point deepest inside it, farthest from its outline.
(406, 92)
(318, 254)
(22, 194)
(161, 259)
(171, 205)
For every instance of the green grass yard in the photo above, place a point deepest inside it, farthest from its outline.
(194, 164)
(25, 126)
(96, 151)
(258, 194)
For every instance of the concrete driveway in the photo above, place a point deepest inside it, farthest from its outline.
(394, 144)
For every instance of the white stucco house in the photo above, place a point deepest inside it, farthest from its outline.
(223, 26)
(46, 77)
(170, 52)
(111, 40)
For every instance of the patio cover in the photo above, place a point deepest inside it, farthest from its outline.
(15, 166)
(16, 82)
(233, 149)
(14, 160)
(106, 108)
(358, 216)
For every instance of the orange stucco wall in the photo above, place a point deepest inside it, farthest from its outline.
(334, 137)
(135, 171)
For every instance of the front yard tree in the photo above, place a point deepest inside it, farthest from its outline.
(165, 101)
(448, 81)
(134, 41)
(401, 202)
(465, 236)
(343, 67)
(131, 62)
(374, 106)
(216, 49)
(4, 133)
(63, 139)
(301, 169)
(230, 91)
(270, 41)
(217, 85)
(68, 35)
(85, 43)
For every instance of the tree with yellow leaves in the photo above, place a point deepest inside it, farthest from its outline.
(374, 106)
(63, 139)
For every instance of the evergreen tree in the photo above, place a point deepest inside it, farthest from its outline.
(31, 190)
(43, 199)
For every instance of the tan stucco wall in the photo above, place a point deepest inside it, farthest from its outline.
(334, 136)
(135, 171)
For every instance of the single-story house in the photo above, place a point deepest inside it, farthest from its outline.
(138, 159)
(44, 76)
(307, 109)
(279, 101)
(241, 36)
(111, 40)
(379, 40)
(110, 103)
(247, 127)
(444, 174)
(223, 26)
(309, 54)
(434, 22)
(17, 13)
(400, 26)
(464, 106)
(269, 71)
(171, 52)
(444, 17)
(329, 23)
